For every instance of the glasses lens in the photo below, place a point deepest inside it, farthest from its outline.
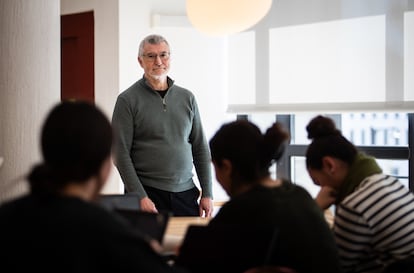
(164, 55)
(153, 56)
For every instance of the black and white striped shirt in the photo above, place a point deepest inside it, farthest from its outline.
(374, 225)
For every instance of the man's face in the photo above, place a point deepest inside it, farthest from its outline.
(155, 60)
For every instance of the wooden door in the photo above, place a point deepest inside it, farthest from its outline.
(77, 57)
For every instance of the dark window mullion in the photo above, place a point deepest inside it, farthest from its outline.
(284, 166)
(410, 149)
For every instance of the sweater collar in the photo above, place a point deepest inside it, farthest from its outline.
(362, 167)
(170, 83)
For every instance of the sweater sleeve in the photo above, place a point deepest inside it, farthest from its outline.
(123, 123)
(354, 241)
(201, 153)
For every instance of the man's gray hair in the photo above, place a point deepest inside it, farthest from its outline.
(153, 39)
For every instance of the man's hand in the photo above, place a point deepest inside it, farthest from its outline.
(147, 205)
(206, 207)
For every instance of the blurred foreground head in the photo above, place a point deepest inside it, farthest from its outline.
(76, 141)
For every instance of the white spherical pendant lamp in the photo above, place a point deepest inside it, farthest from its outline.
(223, 17)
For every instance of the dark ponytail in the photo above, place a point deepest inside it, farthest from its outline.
(275, 141)
(327, 140)
(40, 179)
(250, 152)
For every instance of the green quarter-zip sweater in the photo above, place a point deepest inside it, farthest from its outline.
(159, 140)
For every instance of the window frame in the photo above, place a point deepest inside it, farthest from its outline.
(284, 166)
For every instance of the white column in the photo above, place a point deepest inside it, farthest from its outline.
(29, 85)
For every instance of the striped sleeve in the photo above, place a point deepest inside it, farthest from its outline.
(375, 225)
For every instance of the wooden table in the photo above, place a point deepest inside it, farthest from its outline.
(178, 225)
(176, 229)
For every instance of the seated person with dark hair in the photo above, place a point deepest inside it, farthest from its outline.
(266, 222)
(374, 212)
(56, 227)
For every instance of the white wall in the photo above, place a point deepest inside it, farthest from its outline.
(29, 85)
(135, 22)
(308, 52)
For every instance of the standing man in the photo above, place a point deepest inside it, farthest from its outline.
(160, 136)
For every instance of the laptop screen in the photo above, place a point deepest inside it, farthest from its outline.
(152, 224)
(119, 201)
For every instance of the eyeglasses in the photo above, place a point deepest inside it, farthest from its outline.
(152, 56)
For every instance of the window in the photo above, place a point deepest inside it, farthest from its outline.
(350, 57)
(383, 135)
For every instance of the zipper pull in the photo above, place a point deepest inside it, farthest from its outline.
(164, 104)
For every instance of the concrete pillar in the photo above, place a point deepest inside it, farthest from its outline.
(29, 85)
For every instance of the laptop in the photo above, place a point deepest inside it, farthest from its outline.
(127, 206)
(234, 249)
(152, 224)
(119, 201)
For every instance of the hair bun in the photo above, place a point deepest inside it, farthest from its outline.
(276, 139)
(321, 126)
(39, 179)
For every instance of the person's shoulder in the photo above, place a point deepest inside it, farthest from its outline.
(375, 185)
(81, 213)
(13, 205)
(289, 186)
(292, 192)
(99, 222)
(182, 90)
(131, 90)
(91, 210)
(131, 96)
(377, 180)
